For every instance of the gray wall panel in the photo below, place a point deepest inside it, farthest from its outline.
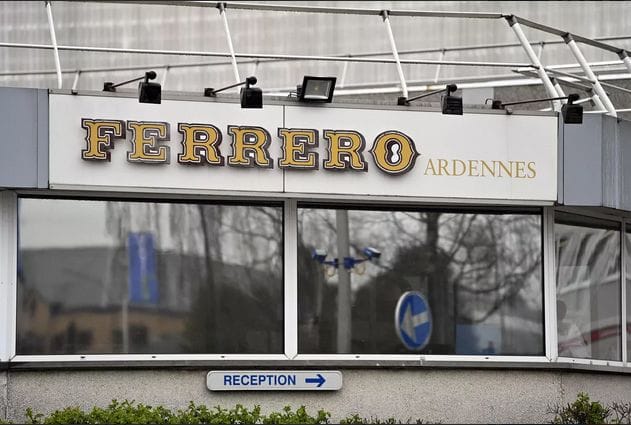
(42, 139)
(624, 138)
(582, 162)
(19, 132)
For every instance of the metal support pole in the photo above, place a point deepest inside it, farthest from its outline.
(598, 103)
(395, 53)
(235, 68)
(441, 57)
(255, 67)
(164, 76)
(75, 83)
(53, 39)
(559, 89)
(344, 316)
(626, 59)
(343, 77)
(611, 110)
(540, 51)
(556, 105)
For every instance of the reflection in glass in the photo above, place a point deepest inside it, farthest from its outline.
(480, 272)
(588, 287)
(140, 277)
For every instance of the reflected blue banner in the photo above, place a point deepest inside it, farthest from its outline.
(143, 276)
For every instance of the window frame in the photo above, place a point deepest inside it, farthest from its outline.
(291, 357)
(617, 223)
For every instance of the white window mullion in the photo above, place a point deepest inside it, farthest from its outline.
(290, 259)
(8, 274)
(549, 284)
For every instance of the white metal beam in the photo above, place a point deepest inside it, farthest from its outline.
(235, 68)
(386, 19)
(590, 74)
(556, 105)
(53, 39)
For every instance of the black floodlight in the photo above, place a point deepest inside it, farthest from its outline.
(450, 105)
(316, 89)
(571, 113)
(251, 97)
(147, 92)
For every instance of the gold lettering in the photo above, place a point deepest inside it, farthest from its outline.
(100, 135)
(502, 166)
(473, 168)
(454, 168)
(531, 168)
(249, 147)
(200, 144)
(486, 166)
(394, 152)
(430, 164)
(345, 150)
(145, 139)
(442, 167)
(295, 143)
(519, 169)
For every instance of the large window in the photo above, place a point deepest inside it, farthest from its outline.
(480, 272)
(588, 287)
(144, 277)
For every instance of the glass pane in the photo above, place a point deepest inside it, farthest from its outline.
(480, 274)
(588, 288)
(140, 277)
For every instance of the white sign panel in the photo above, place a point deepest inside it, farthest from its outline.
(266, 380)
(110, 143)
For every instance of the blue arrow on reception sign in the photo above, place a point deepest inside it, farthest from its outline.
(274, 380)
(413, 320)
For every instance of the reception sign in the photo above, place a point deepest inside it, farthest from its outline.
(99, 142)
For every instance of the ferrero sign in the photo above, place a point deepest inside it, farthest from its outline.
(118, 144)
(392, 152)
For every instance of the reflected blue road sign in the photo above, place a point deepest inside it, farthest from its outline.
(143, 273)
(413, 320)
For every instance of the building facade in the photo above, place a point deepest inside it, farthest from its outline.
(418, 260)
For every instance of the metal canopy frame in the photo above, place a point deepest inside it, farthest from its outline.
(515, 22)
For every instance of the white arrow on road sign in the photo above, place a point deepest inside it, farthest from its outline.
(410, 322)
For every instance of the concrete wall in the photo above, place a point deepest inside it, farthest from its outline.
(445, 395)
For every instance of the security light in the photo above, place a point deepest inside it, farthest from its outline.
(147, 92)
(316, 89)
(251, 97)
(319, 255)
(450, 105)
(571, 113)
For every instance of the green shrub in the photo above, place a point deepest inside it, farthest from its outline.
(128, 412)
(581, 411)
(356, 419)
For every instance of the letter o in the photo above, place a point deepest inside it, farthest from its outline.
(394, 152)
